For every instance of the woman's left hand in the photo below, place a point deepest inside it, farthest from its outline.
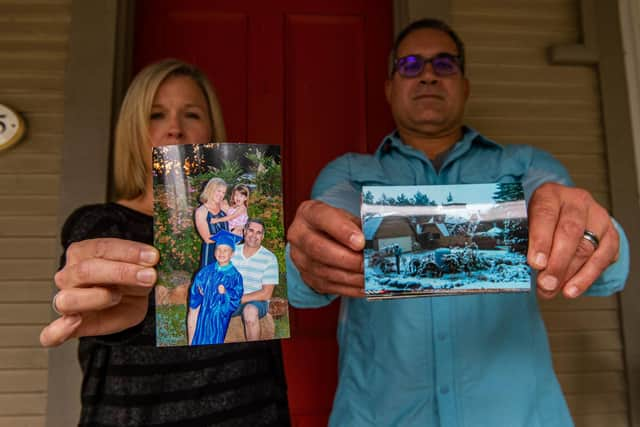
(103, 289)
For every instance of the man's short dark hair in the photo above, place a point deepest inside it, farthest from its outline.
(256, 221)
(427, 23)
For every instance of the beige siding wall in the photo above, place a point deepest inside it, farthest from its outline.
(517, 97)
(33, 52)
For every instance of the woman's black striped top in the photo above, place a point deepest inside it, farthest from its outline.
(128, 381)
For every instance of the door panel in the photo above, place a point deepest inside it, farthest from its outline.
(201, 38)
(324, 112)
(305, 75)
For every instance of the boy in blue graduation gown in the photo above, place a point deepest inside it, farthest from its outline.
(215, 294)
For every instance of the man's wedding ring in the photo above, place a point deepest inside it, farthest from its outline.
(591, 238)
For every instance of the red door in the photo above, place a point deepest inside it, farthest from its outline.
(306, 75)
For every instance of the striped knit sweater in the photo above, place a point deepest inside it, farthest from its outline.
(128, 381)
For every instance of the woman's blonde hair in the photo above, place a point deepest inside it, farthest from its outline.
(210, 188)
(131, 151)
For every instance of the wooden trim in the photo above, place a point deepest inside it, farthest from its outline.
(603, 46)
(123, 66)
(407, 11)
(585, 53)
(95, 60)
(574, 54)
(400, 15)
(630, 28)
(624, 185)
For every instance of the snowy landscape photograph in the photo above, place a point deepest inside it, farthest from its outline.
(444, 239)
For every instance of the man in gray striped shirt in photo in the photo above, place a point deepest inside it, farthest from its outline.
(259, 269)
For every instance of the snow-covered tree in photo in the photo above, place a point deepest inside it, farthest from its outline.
(421, 199)
(383, 200)
(368, 198)
(508, 192)
(515, 234)
(403, 200)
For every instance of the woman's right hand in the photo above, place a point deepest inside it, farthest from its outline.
(103, 289)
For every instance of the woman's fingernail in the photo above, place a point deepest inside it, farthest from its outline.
(146, 275)
(115, 297)
(148, 256)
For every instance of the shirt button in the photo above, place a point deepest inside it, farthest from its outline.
(444, 389)
(442, 336)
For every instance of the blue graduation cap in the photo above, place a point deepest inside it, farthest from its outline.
(223, 237)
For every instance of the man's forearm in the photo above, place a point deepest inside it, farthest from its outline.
(263, 294)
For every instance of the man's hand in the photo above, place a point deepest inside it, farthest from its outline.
(326, 246)
(567, 262)
(104, 288)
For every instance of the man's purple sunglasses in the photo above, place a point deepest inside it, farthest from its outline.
(443, 64)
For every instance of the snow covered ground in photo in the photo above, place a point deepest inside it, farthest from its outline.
(483, 270)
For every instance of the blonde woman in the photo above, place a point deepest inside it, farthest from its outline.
(107, 274)
(207, 216)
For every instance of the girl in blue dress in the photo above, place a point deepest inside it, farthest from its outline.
(215, 294)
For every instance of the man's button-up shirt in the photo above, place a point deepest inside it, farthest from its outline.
(469, 360)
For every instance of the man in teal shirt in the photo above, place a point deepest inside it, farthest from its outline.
(474, 360)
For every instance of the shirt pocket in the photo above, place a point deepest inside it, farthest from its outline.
(366, 170)
(503, 167)
(491, 174)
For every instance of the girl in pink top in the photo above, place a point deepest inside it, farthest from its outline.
(237, 214)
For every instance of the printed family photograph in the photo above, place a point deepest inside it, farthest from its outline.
(218, 224)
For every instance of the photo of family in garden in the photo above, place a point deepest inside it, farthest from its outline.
(444, 239)
(218, 224)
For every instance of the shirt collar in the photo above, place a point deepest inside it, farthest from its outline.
(240, 251)
(470, 136)
(223, 267)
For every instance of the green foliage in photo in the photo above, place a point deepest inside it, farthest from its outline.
(175, 202)
(171, 324)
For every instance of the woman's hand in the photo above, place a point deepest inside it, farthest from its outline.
(104, 289)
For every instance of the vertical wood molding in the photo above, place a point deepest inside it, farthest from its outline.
(585, 53)
(407, 11)
(623, 177)
(123, 66)
(630, 28)
(91, 79)
(603, 46)
(400, 15)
